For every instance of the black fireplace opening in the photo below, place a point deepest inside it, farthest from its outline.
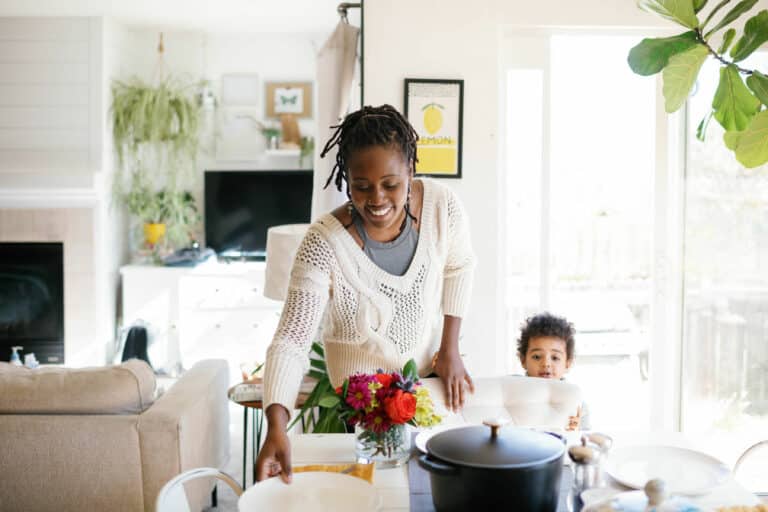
(32, 300)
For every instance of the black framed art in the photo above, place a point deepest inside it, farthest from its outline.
(435, 109)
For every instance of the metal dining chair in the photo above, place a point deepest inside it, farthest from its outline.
(173, 498)
(762, 445)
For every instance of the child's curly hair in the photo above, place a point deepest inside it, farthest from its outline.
(546, 324)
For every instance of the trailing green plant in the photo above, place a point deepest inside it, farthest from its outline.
(739, 105)
(163, 119)
(316, 416)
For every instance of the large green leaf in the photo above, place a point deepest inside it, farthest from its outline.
(727, 40)
(679, 11)
(651, 55)
(738, 9)
(680, 75)
(733, 104)
(750, 145)
(755, 34)
(758, 84)
(410, 371)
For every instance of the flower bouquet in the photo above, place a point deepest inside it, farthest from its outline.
(379, 406)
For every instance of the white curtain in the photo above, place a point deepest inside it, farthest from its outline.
(335, 74)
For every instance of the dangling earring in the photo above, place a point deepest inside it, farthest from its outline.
(350, 208)
(408, 205)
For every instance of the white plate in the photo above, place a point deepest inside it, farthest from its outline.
(316, 491)
(684, 471)
(424, 436)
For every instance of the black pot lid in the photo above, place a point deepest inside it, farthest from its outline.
(513, 447)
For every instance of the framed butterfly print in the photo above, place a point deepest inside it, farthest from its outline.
(289, 98)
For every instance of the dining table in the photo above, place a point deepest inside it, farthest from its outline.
(396, 495)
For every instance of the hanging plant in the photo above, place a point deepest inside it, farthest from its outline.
(155, 122)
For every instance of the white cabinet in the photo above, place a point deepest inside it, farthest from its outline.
(212, 310)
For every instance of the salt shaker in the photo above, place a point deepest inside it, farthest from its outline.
(587, 465)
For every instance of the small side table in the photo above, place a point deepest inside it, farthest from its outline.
(249, 395)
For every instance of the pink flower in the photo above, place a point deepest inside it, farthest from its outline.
(358, 394)
(376, 421)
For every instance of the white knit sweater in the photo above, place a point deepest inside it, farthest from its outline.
(372, 319)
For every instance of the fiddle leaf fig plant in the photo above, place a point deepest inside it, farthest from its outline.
(739, 104)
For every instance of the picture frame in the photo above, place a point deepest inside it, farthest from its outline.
(294, 98)
(435, 109)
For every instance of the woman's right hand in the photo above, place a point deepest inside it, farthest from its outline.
(275, 454)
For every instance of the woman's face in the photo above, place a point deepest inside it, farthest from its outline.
(379, 180)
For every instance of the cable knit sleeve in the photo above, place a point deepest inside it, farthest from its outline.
(308, 292)
(460, 260)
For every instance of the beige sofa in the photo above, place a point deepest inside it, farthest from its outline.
(92, 439)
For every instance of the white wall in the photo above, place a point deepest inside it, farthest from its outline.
(459, 39)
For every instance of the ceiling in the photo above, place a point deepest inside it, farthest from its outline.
(241, 16)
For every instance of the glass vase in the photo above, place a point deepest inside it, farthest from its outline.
(385, 449)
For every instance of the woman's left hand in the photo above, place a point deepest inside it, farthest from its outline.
(450, 368)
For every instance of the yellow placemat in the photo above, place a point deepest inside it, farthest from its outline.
(364, 471)
(748, 508)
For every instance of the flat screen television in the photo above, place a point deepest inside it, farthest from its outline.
(32, 300)
(241, 205)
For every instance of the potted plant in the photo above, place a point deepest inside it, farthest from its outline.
(162, 212)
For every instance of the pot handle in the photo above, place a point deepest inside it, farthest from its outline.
(437, 468)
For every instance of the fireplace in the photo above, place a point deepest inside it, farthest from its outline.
(32, 299)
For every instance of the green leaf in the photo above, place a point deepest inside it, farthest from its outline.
(713, 12)
(316, 374)
(679, 11)
(345, 388)
(734, 105)
(329, 400)
(755, 34)
(410, 371)
(750, 145)
(317, 363)
(739, 9)
(651, 55)
(727, 40)
(698, 5)
(758, 84)
(701, 130)
(680, 75)
(318, 349)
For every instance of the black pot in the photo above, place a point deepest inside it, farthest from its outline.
(482, 468)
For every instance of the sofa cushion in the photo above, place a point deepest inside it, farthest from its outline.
(127, 388)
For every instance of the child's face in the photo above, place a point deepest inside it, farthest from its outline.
(546, 358)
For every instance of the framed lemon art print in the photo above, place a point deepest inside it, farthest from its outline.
(435, 109)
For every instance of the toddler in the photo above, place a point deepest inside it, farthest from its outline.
(545, 348)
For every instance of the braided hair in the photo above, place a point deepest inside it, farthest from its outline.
(370, 126)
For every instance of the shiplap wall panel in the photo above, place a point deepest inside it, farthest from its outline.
(43, 139)
(50, 73)
(43, 117)
(18, 95)
(49, 161)
(42, 29)
(49, 98)
(43, 51)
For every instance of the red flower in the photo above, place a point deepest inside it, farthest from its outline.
(400, 406)
(339, 390)
(385, 379)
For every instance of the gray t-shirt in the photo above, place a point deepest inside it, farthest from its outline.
(395, 256)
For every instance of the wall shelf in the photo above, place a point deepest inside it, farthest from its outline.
(282, 152)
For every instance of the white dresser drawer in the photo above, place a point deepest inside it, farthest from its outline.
(212, 292)
(254, 328)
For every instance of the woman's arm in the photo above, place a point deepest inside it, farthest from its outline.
(449, 366)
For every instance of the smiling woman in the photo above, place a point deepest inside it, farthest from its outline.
(393, 267)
